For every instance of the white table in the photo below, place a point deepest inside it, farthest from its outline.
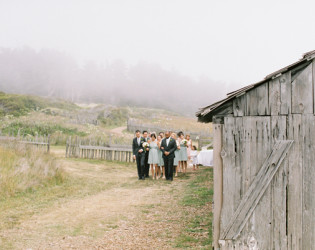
(205, 158)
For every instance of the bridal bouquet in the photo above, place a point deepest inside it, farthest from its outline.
(184, 141)
(145, 145)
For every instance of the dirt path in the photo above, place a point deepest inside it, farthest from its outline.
(119, 130)
(129, 214)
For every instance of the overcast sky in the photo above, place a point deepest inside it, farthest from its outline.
(230, 41)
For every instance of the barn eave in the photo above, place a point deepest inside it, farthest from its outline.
(224, 107)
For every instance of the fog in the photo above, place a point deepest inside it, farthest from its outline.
(178, 54)
(54, 74)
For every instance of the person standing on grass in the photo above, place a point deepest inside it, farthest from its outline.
(168, 147)
(146, 158)
(182, 156)
(139, 154)
(194, 155)
(176, 163)
(161, 161)
(189, 146)
(160, 138)
(154, 157)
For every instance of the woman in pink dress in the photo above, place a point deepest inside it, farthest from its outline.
(189, 145)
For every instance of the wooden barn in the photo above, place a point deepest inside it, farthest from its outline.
(264, 162)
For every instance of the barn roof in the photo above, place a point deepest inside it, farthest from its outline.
(206, 114)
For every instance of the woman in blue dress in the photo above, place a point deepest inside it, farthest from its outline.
(182, 155)
(153, 159)
(161, 161)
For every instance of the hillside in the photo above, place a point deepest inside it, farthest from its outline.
(32, 115)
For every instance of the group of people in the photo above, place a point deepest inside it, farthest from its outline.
(164, 153)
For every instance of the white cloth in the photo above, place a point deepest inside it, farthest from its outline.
(168, 141)
(138, 141)
(194, 155)
(205, 158)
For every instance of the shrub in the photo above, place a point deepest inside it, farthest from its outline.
(116, 117)
(18, 105)
(34, 129)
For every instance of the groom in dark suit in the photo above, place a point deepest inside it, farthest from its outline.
(139, 154)
(168, 147)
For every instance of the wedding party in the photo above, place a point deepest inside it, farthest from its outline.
(166, 154)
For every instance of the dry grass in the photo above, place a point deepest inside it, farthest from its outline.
(25, 168)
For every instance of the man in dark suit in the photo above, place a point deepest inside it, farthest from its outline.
(168, 147)
(146, 158)
(139, 154)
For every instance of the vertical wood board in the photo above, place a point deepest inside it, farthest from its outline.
(302, 92)
(275, 96)
(295, 180)
(257, 101)
(285, 93)
(308, 205)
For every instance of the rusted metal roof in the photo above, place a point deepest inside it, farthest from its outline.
(205, 114)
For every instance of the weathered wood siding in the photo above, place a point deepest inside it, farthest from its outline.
(280, 110)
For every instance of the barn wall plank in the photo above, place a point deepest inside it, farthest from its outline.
(313, 80)
(275, 96)
(257, 101)
(260, 220)
(240, 156)
(294, 199)
(285, 90)
(308, 184)
(228, 157)
(218, 182)
(239, 106)
(302, 92)
(278, 189)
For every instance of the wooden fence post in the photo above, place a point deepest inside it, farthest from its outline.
(48, 144)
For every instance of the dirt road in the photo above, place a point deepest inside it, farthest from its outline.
(124, 214)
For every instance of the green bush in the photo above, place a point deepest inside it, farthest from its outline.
(34, 129)
(18, 105)
(116, 117)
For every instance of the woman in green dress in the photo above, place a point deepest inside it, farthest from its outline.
(182, 155)
(161, 161)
